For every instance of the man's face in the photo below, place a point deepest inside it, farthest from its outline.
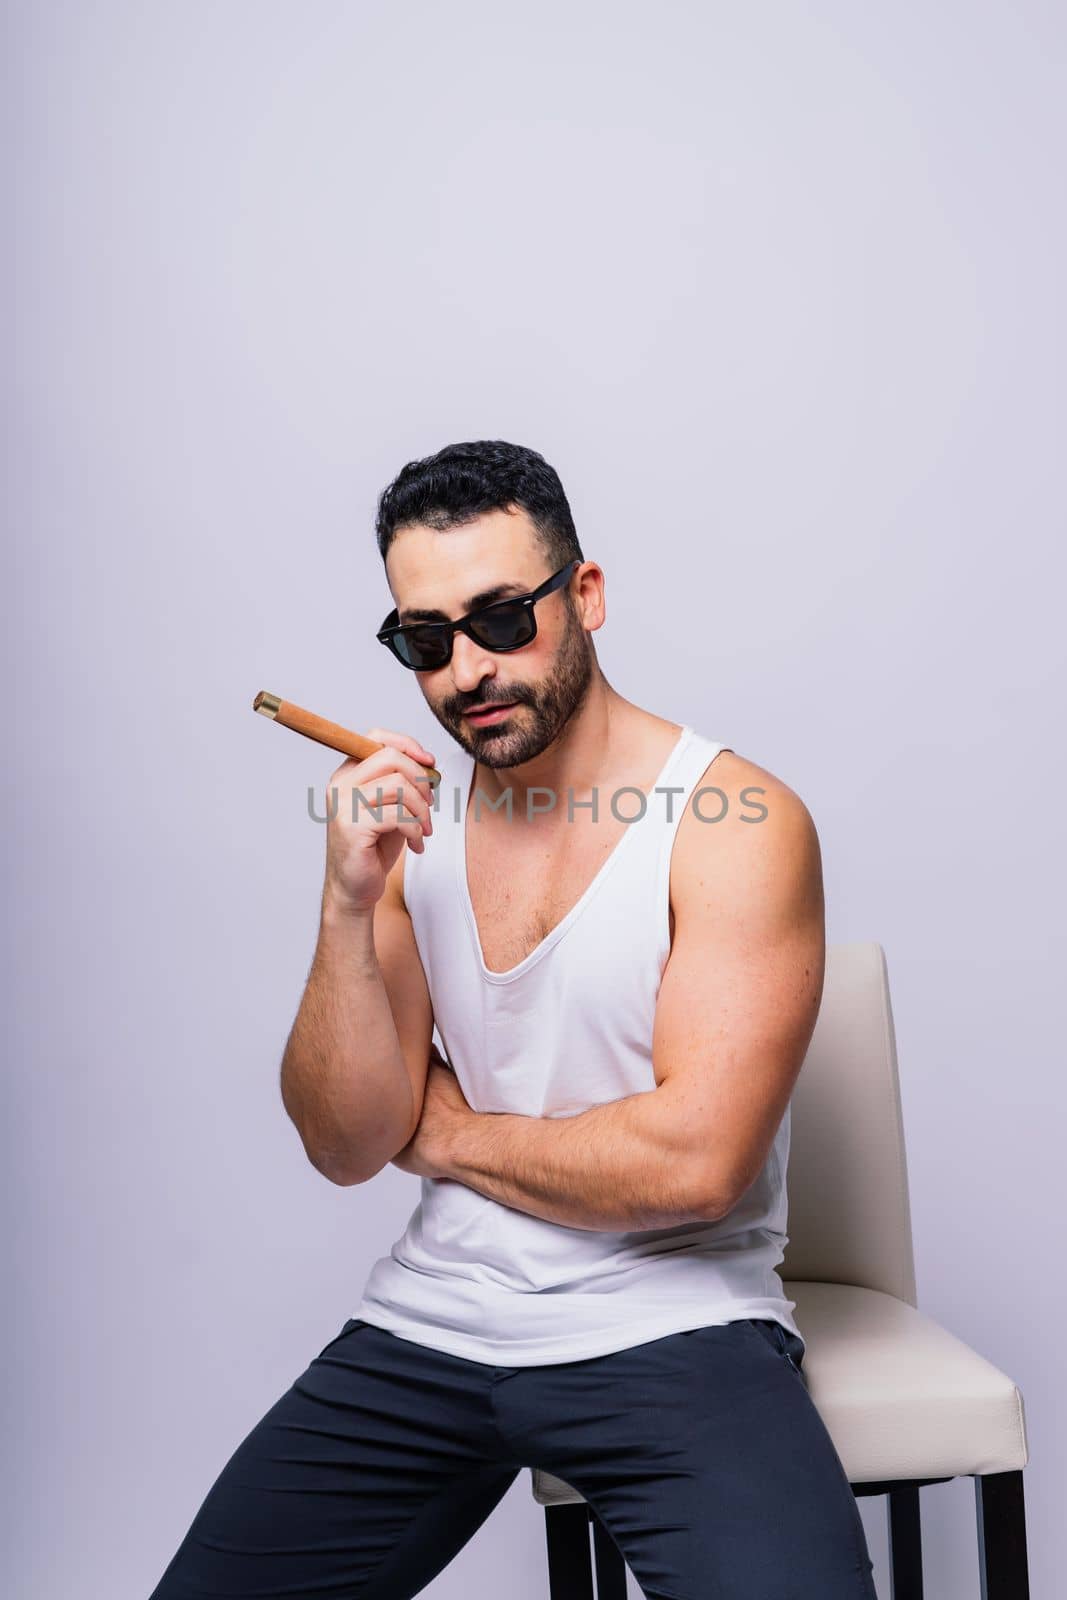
(544, 682)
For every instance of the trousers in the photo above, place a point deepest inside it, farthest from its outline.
(702, 1454)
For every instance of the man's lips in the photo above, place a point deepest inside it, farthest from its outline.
(491, 712)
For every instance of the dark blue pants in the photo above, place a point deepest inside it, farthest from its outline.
(702, 1454)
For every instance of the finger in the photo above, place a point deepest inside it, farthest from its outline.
(384, 764)
(402, 741)
(396, 787)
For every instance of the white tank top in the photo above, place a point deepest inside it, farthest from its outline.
(568, 1028)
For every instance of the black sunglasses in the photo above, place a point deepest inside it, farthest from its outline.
(503, 625)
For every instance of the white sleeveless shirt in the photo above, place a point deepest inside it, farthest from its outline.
(568, 1028)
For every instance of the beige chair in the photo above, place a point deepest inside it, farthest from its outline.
(906, 1402)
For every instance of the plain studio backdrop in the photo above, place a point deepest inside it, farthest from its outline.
(778, 290)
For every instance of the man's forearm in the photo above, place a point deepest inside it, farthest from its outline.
(343, 1078)
(619, 1166)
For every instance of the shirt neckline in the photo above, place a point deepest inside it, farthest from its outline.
(552, 938)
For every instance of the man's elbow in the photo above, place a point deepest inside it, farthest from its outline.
(713, 1195)
(338, 1172)
(346, 1167)
(346, 1160)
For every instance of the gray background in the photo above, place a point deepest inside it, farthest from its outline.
(778, 290)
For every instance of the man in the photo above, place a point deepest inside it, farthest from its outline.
(616, 926)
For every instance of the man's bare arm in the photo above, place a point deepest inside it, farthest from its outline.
(354, 1068)
(734, 1017)
(355, 1062)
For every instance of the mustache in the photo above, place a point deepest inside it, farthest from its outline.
(487, 700)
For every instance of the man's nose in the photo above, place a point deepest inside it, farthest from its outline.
(471, 664)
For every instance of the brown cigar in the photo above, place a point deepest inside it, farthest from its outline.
(323, 732)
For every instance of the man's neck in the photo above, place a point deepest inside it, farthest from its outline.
(601, 741)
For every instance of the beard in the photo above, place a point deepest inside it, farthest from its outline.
(550, 706)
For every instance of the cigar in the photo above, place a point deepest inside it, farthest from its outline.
(323, 732)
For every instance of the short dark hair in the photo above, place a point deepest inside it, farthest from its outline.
(462, 481)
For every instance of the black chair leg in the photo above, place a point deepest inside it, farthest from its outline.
(905, 1544)
(999, 1504)
(610, 1566)
(570, 1564)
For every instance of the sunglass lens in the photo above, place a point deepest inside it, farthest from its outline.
(423, 649)
(504, 627)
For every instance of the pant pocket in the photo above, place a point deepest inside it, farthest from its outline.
(784, 1343)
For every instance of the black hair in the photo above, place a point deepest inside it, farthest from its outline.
(462, 481)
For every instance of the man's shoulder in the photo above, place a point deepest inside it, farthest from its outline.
(747, 820)
(728, 769)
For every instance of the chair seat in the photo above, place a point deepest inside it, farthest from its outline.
(901, 1397)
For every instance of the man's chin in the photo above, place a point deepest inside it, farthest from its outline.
(492, 752)
(503, 748)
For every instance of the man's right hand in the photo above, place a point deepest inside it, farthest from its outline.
(361, 848)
